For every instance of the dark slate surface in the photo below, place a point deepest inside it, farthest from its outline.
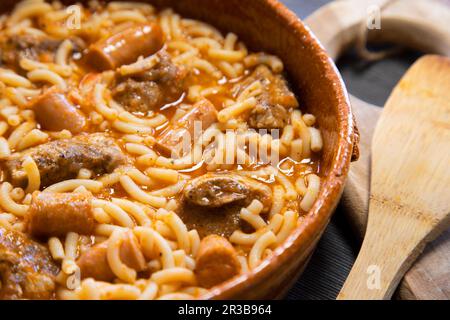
(338, 249)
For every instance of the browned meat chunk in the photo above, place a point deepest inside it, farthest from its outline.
(273, 103)
(138, 96)
(217, 261)
(56, 214)
(34, 47)
(212, 202)
(171, 140)
(265, 116)
(165, 72)
(151, 89)
(221, 221)
(55, 112)
(62, 159)
(94, 263)
(215, 190)
(126, 46)
(26, 268)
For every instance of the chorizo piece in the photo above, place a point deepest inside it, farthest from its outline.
(55, 112)
(94, 262)
(217, 261)
(126, 46)
(56, 214)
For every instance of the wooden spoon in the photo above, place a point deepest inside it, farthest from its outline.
(410, 183)
(417, 24)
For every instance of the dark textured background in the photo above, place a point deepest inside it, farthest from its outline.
(338, 249)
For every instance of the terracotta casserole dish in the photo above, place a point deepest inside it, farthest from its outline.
(266, 25)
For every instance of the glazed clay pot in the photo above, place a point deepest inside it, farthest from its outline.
(267, 25)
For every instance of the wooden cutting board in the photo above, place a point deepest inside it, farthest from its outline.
(418, 24)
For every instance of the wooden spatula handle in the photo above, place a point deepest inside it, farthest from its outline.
(379, 268)
(410, 180)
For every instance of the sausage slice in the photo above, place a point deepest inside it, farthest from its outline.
(217, 261)
(56, 214)
(55, 112)
(171, 140)
(94, 262)
(126, 46)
